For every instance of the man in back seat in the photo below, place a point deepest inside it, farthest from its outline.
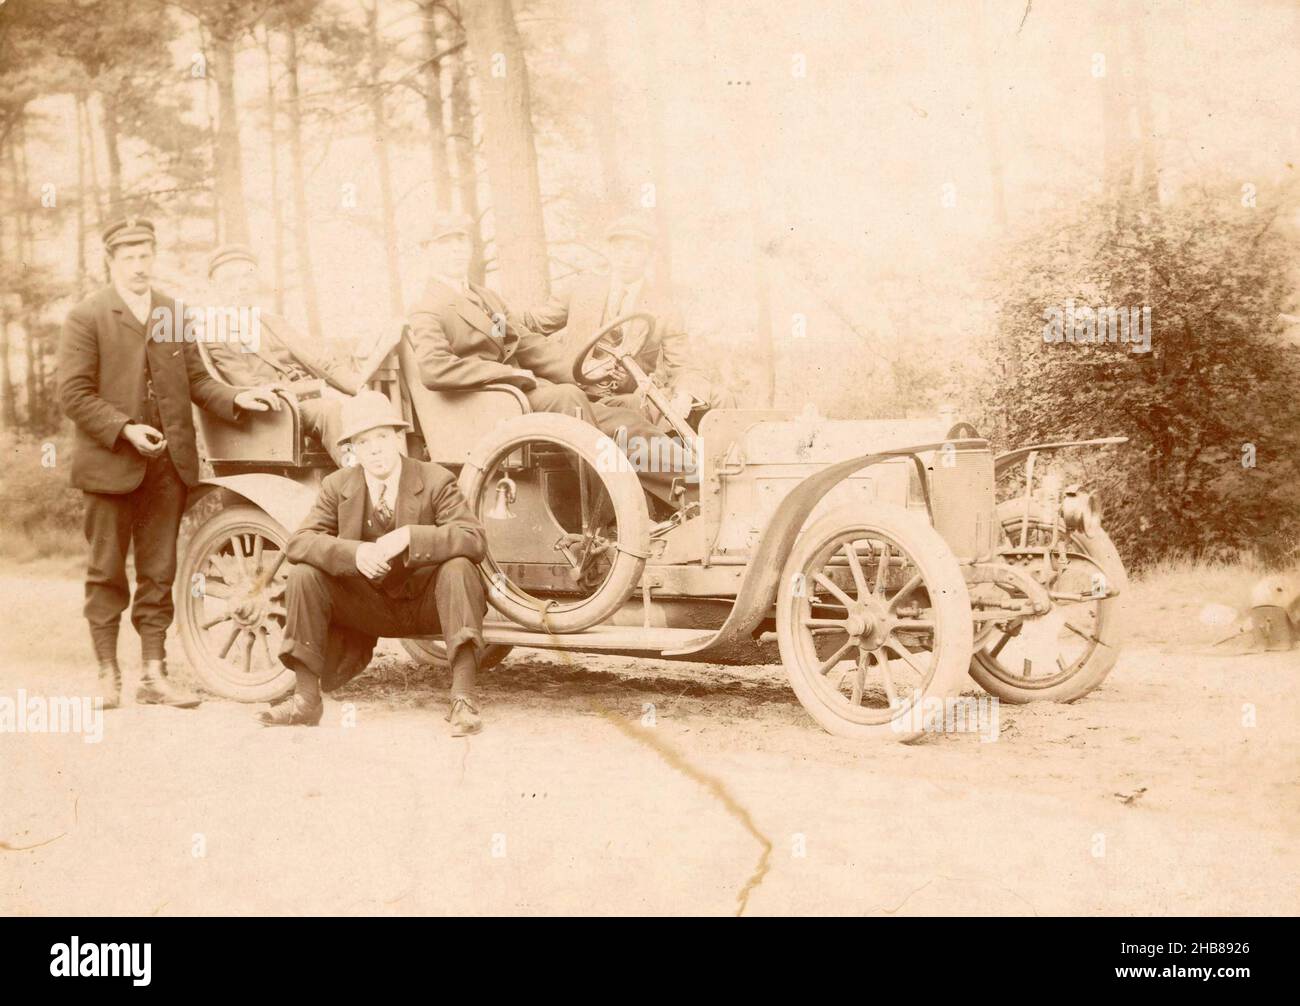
(464, 336)
(276, 353)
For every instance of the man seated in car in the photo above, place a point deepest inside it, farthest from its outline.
(464, 336)
(594, 300)
(277, 354)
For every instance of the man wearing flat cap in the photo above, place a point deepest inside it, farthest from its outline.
(275, 353)
(593, 300)
(464, 336)
(389, 549)
(127, 379)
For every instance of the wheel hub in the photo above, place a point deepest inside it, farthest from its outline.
(869, 623)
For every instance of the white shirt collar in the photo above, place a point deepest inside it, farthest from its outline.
(392, 482)
(138, 303)
(459, 285)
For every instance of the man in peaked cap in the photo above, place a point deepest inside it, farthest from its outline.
(594, 300)
(274, 352)
(127, 379)
(464, 336)
(389, 549)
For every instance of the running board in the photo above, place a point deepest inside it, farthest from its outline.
(614, 638)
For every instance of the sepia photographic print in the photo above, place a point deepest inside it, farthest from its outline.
(651, 458)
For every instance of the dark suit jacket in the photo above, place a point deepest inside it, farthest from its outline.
(580, 312)
(282, 354)
(460, 346)
(442, 527)
(102, 388)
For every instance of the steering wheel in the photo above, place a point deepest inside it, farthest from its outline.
(601, 355)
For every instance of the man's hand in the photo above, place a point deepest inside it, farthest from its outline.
(258, 400)
(395, 542)
(523, 379)
(145, 439)
(681, 402)
(372, 563)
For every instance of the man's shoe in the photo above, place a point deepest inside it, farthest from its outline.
(292, 712)
(464, 717)
(110, 683)
(156, 690)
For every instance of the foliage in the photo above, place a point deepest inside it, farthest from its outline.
(1219, 380)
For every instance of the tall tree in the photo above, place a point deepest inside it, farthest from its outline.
(466, 162)
(301, 210)
(377, 89)
(509, 148)
(432, 56)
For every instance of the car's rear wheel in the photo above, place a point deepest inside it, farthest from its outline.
(230, 604)
(873, 621)
(1066, 652)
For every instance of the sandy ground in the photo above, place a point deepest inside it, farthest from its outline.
(1153, 795)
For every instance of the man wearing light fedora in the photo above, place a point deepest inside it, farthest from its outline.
(389, 549)
(127, 378)
(594, 300)
(276, 353)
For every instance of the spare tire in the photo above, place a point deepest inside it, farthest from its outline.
(625, 494)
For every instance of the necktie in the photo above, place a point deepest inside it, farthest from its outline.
(383, 512)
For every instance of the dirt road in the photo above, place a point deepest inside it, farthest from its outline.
(1154, 795)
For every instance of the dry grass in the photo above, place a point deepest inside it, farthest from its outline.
(1168, 603)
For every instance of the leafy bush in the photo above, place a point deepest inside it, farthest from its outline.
(1218, 391)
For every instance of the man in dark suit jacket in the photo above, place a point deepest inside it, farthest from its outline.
(127, 378)
(592, 301)
(389, 549)
(464, 336)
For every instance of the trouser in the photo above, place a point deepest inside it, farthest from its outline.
(149, 518)
(658, 459)
(452, 605)
(323, 418)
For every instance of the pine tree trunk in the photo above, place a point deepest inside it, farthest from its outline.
(273, 158)
(466, 168)
(227, 156)
(379, 143)
(108, 122)
(302, 216)
(509, 150)
(433, 109)
(80, 101)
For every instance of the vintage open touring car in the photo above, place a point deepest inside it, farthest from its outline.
(871, 558)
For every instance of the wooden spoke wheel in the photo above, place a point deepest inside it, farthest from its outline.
(230, 602)
(1067, 651)
(873, 618)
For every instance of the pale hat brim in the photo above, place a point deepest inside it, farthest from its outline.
(372, 423)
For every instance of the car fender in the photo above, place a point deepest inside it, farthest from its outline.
(763, 575)
(283, 499)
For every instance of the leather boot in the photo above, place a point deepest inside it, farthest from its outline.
(110, 682)
(156, 690)
(464, 717)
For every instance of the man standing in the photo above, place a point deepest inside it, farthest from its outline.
(126, 380)
(464, 336)
(593, 301)
(274, 352)
(389, 549)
